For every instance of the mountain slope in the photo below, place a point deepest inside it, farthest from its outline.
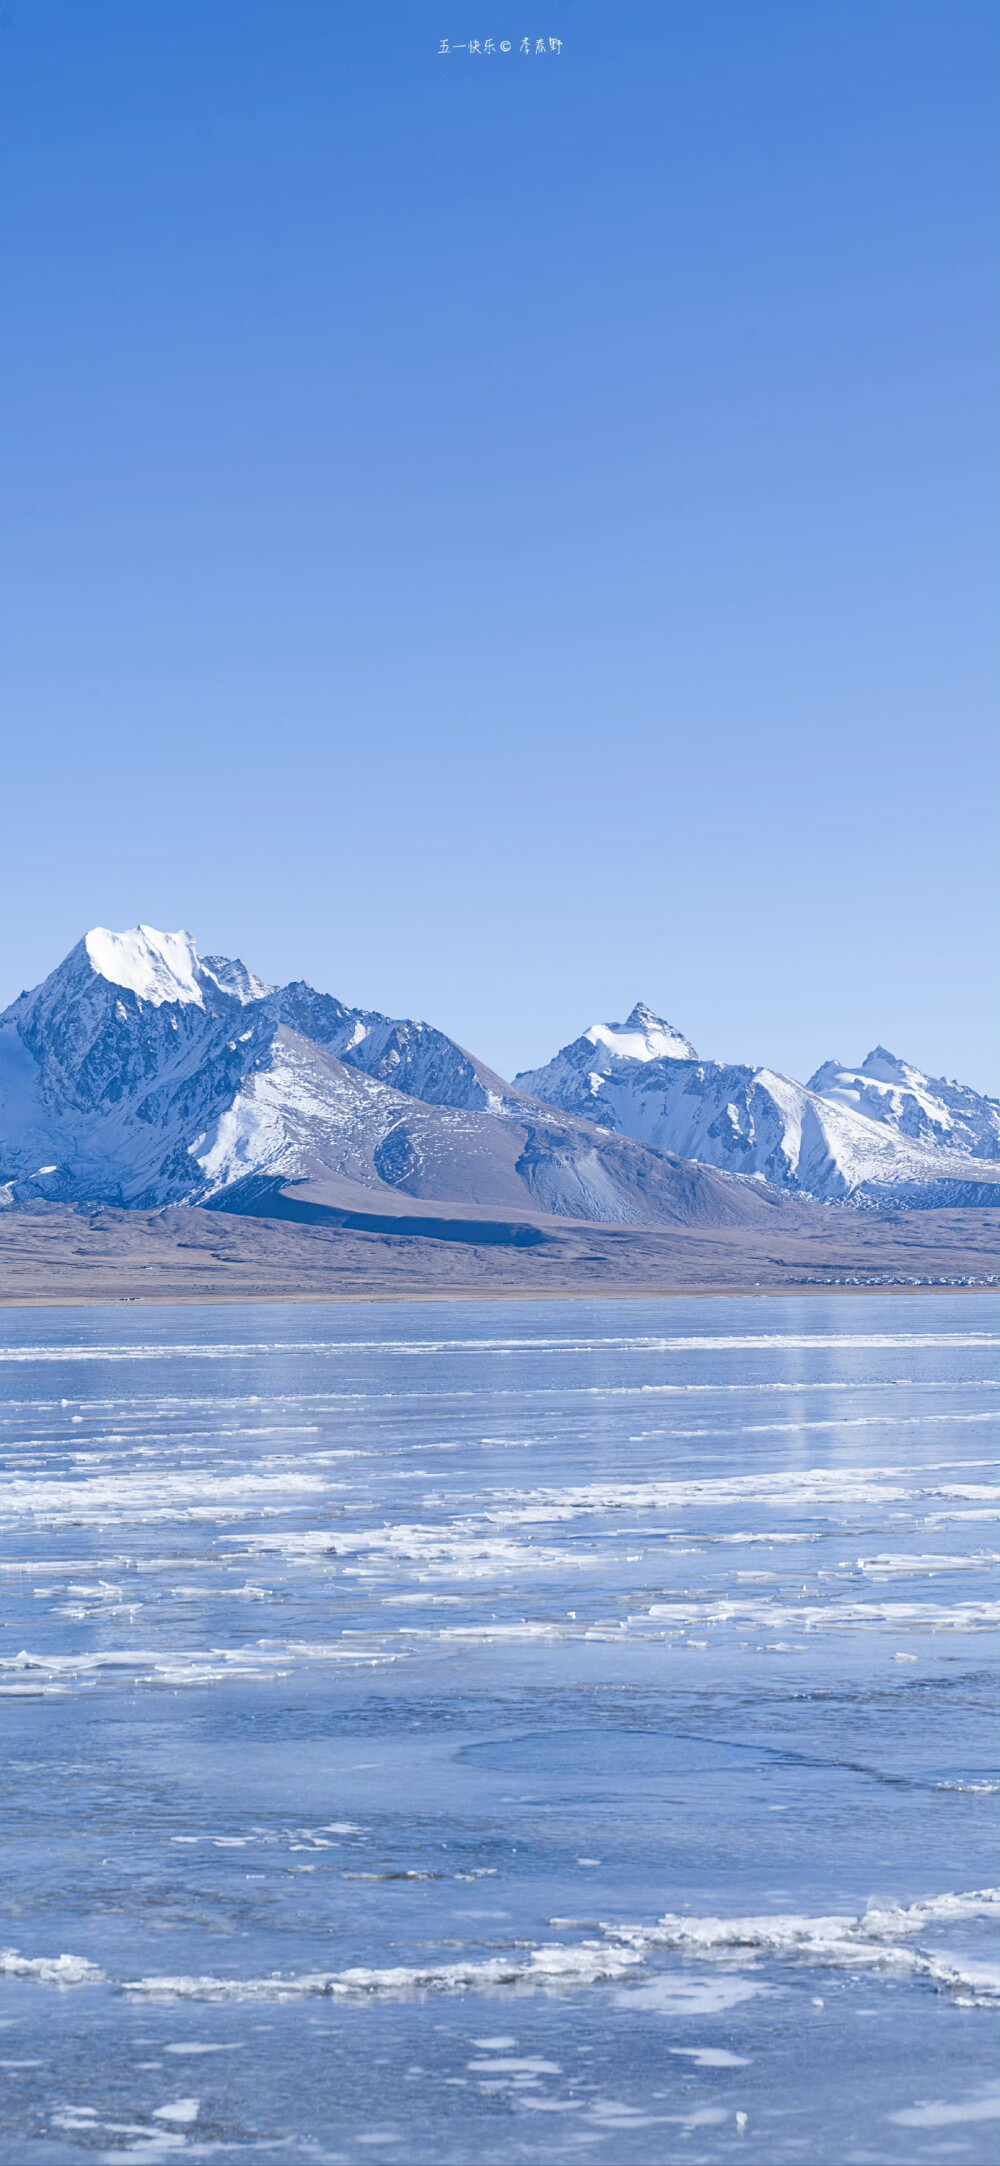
(753, 1121)
(413, 1057)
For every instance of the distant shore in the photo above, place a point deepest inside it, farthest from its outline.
(481, 1293)
(190, 1258)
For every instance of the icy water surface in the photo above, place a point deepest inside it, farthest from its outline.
(469, 1733)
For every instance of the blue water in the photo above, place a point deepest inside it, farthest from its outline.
(469, 1732)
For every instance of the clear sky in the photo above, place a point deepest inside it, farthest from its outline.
(501, 536)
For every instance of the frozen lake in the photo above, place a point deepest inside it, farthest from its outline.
(470, 1733)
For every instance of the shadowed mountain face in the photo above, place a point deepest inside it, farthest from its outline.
(139, 1074)
(882, 1134)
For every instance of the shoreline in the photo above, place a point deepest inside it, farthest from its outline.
(500, 1293)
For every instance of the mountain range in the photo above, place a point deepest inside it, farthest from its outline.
(141, 1074)
(883, 1133)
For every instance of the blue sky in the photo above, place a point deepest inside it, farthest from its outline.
(502, 536)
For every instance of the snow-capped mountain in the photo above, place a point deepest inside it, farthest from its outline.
(141, 1074)
(582, 1079)
(927, 1109)
(811, 1141)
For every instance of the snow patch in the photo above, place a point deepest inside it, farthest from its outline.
(156, 967)
(643, 1036)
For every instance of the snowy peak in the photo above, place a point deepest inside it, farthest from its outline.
(884, 1066)
(166, 969)
(880, 1065)
(925, 1109)
(156, 967)
(121, 1014)
(581, 1077)
(233, 978)
(642, 1036)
